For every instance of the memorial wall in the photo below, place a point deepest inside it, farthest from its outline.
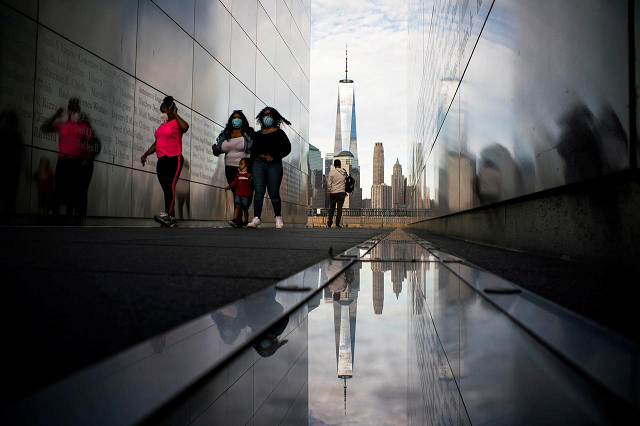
(510, 98)
(120, 59)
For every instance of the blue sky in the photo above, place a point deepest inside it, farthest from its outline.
(376, 33)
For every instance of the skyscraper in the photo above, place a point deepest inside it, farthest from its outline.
(397, 185)
(346, 136)
(316, 190)
(378, 163)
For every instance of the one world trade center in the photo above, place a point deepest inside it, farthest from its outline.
(346, 136)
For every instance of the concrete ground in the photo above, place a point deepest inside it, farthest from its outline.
(73, 296)
(599, 292)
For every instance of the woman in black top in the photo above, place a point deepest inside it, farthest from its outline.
(270, 146)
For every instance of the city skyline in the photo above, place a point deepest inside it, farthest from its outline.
(372, 32)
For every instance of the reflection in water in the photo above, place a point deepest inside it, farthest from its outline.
(374, 391)
(232, 319)
(269, 342)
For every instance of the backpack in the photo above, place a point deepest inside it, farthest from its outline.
(349, 183)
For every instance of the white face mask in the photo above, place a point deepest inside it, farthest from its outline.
(75, 117)
(164, 117)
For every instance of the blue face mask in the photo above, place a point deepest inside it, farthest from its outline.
(267, 121)
(236, 123)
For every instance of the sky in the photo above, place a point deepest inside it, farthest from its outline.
(376, 35)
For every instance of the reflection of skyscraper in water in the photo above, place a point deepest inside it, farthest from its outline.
(378, 289)
(398, 270)
(344, 293)
(377, 271)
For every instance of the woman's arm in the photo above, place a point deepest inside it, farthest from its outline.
(48, 126)
(217, 147)
(150, 151)
(182, 125)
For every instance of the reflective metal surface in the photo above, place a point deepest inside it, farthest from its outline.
(213, 29)
(181, 12)
(265, 80)
(524, 118)
(88, 51)
(165, 53)
(85, 23)
(212, 80)
(245, 12)
(266, 35)
(243, 66)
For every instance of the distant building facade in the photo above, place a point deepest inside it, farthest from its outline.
(398, 185)
(316, 179)
(378, 163)
(381, 196)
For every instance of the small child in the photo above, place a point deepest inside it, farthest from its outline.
(242, 195)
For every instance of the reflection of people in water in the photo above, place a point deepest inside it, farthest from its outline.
(269, 341)
(229, 321)
(232, 319)
(74, 145)
(11, 141)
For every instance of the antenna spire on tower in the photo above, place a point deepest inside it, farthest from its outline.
(345, 63)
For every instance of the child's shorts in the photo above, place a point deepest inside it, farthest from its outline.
(243, 202)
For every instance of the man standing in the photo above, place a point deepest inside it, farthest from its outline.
(335, 185)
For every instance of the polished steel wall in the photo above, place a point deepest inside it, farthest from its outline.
(509, 98)
(121, 58)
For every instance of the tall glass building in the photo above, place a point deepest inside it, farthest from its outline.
(120, 58)
(346, 135)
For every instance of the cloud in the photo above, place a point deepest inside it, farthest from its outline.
(376, 33)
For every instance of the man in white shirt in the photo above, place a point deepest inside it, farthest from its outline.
(335, 186)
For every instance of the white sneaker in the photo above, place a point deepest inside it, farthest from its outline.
(279, 224)
(163, 219)
(255, 223)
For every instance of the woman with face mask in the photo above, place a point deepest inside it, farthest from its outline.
(235, 141)
(168, 148)
(270, 146)
(74, 136)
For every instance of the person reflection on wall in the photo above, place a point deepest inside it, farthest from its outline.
(489, 183)
(73, 137)
(92, 149)
(579, 145)
(45, 179)
(168, 148)
(12, 140)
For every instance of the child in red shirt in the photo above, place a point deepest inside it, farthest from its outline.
(241, 196)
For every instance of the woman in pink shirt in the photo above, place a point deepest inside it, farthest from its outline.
(168, 148)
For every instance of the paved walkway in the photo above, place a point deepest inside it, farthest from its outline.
(76, 295)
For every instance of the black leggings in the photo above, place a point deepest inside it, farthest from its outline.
(168, 170)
